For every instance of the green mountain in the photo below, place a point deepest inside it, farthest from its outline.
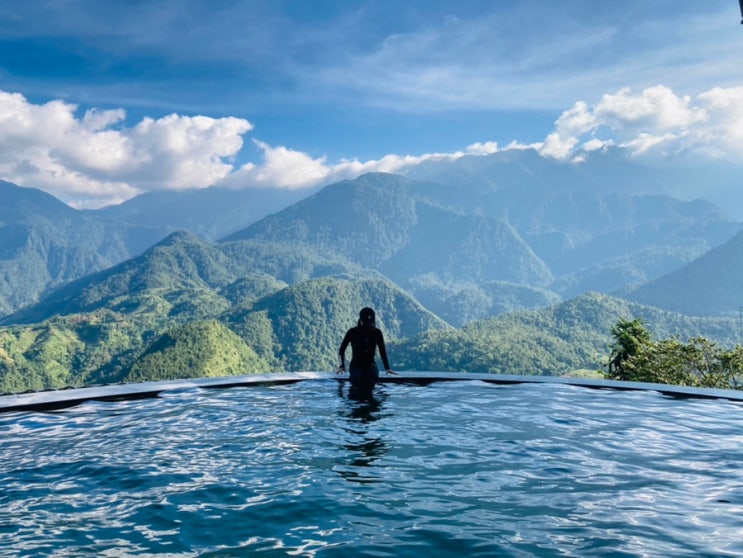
(557, 340)
(153, 281)
(196, 350)
(379, 222)
(44, 243)
(385, 223)
(456, 249)
(302, 325)
(188, 308)
(711, 285)
(461, 303)
(184, 277)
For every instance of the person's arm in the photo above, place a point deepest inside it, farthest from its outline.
(342, 352)
(383, 352)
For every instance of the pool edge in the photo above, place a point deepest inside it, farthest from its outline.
(50, 400)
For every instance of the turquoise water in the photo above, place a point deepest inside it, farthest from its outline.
(450, 469)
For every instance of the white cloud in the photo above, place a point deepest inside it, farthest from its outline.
(483, 148)
(654, 122)
(96, 159)
(86, 161)
(725, 110)
(285, 168)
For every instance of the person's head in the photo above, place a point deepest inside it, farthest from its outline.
(367, 317)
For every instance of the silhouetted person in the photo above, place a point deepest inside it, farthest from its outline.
(364, 339)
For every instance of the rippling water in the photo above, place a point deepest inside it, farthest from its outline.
(451, 469)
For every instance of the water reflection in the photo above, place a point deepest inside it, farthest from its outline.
(362, 442)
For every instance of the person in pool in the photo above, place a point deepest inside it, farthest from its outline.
(364, 340)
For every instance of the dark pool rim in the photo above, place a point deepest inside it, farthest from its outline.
(50, 400)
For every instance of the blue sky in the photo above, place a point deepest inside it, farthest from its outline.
(101, 100)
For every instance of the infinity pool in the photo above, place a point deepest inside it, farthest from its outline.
(450, 469)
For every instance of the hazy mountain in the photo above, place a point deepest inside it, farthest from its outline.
(210, 213)
(711, 285)
(604, 171)
(460, 303)
(380, 222)
(513, 216)
(44, 243)
(525, 170)
(591, 235)
(456, 236)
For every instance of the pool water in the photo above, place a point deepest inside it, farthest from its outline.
(449, 469)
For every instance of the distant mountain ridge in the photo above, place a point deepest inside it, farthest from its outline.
(44, 243)
(603, 171)
(513, 217)
(711, 285)
(378, 222)
(209, 213)
(564, 243)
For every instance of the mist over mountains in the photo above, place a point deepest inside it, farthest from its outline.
(273, 278)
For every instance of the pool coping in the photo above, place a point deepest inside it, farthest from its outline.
(50, 400)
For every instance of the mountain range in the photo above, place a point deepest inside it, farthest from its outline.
(711, 285)
(488, 254)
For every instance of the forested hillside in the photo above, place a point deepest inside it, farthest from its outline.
(572, 335)
(44, 244)
(447, 242)
(185, 308)
(711, 285)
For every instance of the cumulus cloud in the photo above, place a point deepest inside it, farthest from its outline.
(282, 167)
(94, 160)
(655, 122)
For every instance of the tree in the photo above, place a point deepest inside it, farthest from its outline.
(631, 340)
(697, 363)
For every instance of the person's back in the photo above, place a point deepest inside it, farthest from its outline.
(364, 339)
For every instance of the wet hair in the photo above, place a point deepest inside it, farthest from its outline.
(367, 317)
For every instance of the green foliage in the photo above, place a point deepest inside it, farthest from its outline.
(632, 338)
(553, 341)
(305, 323)
(698, 363)
(246, 290)
(461, 302)
(194, 350)
(178, 333)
